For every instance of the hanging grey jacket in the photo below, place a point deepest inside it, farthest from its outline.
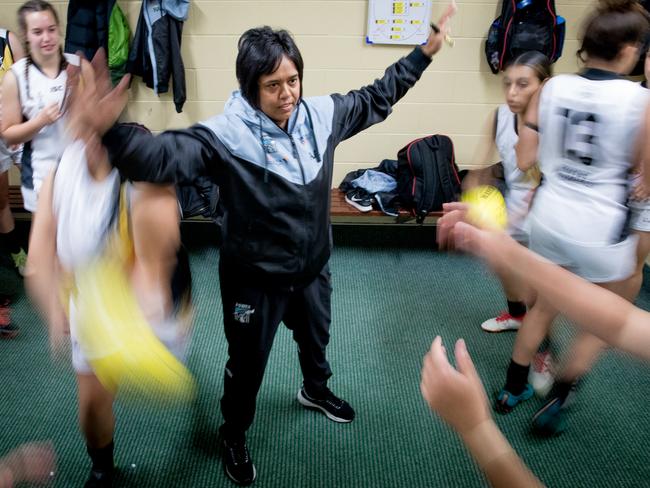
(156, 51)
(275, 184)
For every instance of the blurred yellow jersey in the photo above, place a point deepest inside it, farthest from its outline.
(6, 57)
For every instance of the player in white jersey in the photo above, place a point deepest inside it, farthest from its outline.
(586, 131)
(521, 80)
(34, 93)
(82, 216)
(10, 50)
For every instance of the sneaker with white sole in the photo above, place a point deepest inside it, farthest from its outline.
(502, 323)
(541, 374)
(333, 407)
(359, 199)
(237, 462)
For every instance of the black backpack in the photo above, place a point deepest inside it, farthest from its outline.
(524, 25)
(427, 175)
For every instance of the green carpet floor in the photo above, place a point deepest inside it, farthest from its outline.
(388, 305)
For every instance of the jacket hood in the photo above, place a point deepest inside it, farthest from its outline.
(295, 154)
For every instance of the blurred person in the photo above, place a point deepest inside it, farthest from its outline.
(587, 131)
(457, 395)
(11, 51)
(522, 78)
(271, 153)
(82, 205)
(34, 95)
(639, 204)
(30, 463)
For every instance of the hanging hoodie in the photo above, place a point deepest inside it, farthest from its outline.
(156, 52)
(275, 184)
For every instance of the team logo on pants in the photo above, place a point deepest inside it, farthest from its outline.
(243, 312)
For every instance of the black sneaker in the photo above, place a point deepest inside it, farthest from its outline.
(332, 406)
(359, 199)
(237, 462)
(100, 478)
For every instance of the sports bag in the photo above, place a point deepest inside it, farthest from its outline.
(427, 175)
(524, 25)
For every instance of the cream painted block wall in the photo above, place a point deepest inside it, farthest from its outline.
(455, 95)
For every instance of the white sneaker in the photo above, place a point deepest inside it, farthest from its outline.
(541, 375)
(502, 323)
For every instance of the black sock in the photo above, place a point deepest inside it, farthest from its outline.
(562, 388)
(102, 457)
(516, 309)
(516, 378)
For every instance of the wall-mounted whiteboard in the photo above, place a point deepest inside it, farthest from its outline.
(398, 21)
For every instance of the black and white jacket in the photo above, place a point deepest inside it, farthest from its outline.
(275, 184)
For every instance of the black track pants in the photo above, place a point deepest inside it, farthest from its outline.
(251, 318)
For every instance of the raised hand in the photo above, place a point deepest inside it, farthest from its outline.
(456, 395)
(439, 31)
(94, 105)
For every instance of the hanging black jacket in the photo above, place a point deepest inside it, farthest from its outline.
(160, 25)
(87, 27)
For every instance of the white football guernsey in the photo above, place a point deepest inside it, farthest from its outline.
(589, 125)
(42, 153)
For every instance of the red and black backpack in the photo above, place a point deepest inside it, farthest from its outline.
(524, 25)
(427, 175)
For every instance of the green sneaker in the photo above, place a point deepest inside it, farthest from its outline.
(20, 261)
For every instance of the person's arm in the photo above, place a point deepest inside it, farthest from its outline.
(459, 398)
(16, 47)
(14, 130)
(528, 143)
(40, 272)
(593, 308)
(359, 109)
(176, 156)
(43, 274)
(643, 156)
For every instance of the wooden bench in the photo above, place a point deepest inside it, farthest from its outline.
(16, 204)
(342, 213)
